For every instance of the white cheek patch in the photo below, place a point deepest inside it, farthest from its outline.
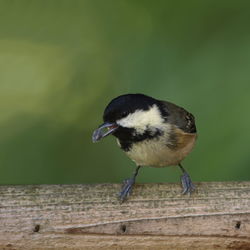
(141, 119)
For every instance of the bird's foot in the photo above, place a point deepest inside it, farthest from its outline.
(126, 189)
(188, 186)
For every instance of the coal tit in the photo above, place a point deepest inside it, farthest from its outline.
(151, 132)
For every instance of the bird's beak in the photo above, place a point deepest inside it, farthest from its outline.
(101, 132)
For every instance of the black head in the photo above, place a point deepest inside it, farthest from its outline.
(123, 105)
(131, 130)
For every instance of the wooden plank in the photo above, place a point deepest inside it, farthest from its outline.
(156, 216)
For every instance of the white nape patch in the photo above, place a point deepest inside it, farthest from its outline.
(140, 120)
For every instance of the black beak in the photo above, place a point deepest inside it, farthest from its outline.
(101, 132)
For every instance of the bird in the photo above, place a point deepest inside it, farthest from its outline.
(151, 132)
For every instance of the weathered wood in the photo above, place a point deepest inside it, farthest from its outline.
(156, 216)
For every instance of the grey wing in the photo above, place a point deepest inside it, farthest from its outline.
(180, 117)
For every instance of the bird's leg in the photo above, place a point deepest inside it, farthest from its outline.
(188, 186)
(128, 185)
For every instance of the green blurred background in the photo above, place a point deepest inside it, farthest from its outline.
(61, 62)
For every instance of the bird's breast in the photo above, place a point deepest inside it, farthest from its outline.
(157, 152)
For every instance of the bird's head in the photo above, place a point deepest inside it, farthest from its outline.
(130, 114)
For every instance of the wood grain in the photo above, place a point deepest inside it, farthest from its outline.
(156, 216)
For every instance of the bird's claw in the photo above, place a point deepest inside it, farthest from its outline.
(126, 189)
(188, 186)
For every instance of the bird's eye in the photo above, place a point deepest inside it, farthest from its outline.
(124, 114)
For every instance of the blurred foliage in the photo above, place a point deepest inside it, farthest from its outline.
(61, 62)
